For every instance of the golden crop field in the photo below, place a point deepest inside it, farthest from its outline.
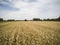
(30, 33)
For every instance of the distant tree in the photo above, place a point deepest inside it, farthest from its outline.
(48, 19)
(44, 19)
(1, 19)
(10, 20)
(52, 19)
(25, 20)
(36, 19)
(58, 18)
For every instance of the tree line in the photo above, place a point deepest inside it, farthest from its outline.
(34, 19)
(38, 19)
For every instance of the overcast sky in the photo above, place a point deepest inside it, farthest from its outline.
(28, 9)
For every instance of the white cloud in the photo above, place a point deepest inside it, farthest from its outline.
(39, 8)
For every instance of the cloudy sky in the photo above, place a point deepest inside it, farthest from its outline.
(28, 9)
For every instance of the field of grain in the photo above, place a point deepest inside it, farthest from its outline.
(30, 33)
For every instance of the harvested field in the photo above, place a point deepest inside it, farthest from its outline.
(30, 33)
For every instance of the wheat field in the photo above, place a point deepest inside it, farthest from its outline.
(30, 33)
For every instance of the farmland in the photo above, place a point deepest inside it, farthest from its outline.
(30, 33)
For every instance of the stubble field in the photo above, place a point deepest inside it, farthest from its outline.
(30, 33)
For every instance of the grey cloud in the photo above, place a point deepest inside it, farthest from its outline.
(7, 5)
(29, 1)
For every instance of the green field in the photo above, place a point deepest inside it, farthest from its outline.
(30, 33)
